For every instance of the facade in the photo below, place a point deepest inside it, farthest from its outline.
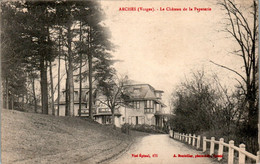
(84, 102)
(144, 107)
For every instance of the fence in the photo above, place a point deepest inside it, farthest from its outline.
(196, 141)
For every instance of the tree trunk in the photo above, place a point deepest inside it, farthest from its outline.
(113, 117)
(12, 103)
(44, 85)
(70, 75)
(58, 102)
(90, 78)
(26, 93)
(80, 76)
(7, 93)
(67, 97)
(67, 89)
(34, 95)
(52, 91)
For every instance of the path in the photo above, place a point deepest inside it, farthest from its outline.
(164, 148)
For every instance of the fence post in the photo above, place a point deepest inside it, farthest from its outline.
(231, 152)
(212, 145)
(241, 156)
(193, 140)
(204, 144)
(258, 157)
(186, 138)
(182, 137)
(198, 142)
(179, 136)
(220, 149)
(189, 139)
(171, 133)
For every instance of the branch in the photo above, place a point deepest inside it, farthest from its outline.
(241, 86)
(229, 69)
(234, 6)
(102, 102)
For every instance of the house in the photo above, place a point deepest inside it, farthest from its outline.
(84, 102)
(145, 107)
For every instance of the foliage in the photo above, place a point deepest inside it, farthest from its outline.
(203, 106)
(12, 62)
(33, 34)
(125, 128)
(146, 128)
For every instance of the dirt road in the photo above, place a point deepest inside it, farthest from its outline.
(160, 149)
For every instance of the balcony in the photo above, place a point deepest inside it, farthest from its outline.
(85, 111)
(104, 110)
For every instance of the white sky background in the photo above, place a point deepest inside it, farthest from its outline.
(161, 48)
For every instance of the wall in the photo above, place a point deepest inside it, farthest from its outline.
(63, 107)
(130, 115)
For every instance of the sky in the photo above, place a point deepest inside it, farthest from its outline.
(161, 48)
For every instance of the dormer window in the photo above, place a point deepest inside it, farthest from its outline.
(137, 90)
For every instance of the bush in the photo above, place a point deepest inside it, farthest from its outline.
(125, 128)
(147, 128)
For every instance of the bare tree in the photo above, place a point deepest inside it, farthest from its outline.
(113, 92)
(243, 27)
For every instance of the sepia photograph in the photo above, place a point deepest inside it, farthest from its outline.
(130, 82)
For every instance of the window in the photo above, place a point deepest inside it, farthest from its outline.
(149, 106)
(132, 104)
(136, 104)
(103, 119)
(76, 93)
(123, 119)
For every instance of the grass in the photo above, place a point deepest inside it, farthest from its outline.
(38, 138)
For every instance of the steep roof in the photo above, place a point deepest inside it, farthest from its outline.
(142, 92)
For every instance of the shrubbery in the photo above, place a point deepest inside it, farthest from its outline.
(125, 128)
(143, 128)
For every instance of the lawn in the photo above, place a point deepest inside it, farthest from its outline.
(38, 138)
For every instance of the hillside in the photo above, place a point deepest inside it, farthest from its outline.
(37, 138)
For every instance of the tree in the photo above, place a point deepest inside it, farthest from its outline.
(14, 72)
(93, 47)
(243, 27)
(114, 94)
(202, 105)
(34, 34)
(37, 20)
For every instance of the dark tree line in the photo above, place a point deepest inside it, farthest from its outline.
(36, 35)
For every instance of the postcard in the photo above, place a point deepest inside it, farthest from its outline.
(141, 81)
